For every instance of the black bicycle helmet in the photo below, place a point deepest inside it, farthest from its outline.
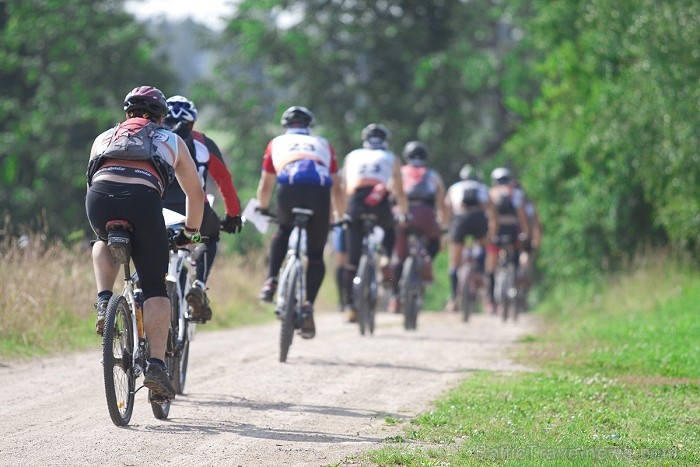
(297, 116)
(375, 136)
(147, 98)
(415, 151)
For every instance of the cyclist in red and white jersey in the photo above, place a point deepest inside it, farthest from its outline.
(304, 169)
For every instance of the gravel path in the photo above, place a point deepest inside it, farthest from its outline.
(244, 408)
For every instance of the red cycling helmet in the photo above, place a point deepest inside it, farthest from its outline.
(147, 98)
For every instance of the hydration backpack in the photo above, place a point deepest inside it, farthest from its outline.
(504, 204)
(470, 196)
(419, 189)
(133, 141)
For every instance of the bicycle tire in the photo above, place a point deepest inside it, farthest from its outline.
(513, 293)
(362, 295)
(410, 292)
(289, 313)
(508, 298)
(467, 296)
(117, 360)
(180, 350)
(500, 292)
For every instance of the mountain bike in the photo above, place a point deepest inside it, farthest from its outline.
(291, 292)
(124, 343)
(411, 285)
(469, 280)
(181, 275)
(505, 279)
(364, 284)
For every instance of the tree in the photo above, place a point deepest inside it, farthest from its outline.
(610, 147)
(428, 70)
(66, 66)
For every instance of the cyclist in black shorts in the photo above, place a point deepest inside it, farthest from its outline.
(304, 169)
(131, 190)
(471, 214)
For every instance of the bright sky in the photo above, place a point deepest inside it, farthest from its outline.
(202, 11)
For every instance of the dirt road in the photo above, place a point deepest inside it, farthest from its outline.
(244, 408)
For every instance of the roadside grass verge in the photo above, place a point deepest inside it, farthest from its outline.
(618, 383)
(47, 296)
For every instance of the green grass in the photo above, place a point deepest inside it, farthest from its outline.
(617, 383)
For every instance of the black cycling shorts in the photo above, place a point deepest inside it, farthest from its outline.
(474, 224)
(142, 207)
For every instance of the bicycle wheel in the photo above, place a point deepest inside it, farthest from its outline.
(500, 292)
(288, 312)
(410, 292)
(181, 350)
(362, 295)
(467, 294)
(507, 292)
(117, 360)
(513, 304)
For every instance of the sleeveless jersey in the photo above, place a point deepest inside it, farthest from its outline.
(165, 142)
(300, 159)
(419, 184)
(368, 167)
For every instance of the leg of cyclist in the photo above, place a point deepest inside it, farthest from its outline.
(204, 255)
(106, 271)
(458, 231)
(150, 256)
(340, 258)
(317, 198)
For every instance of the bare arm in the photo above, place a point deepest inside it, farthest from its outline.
(186, 174)
(447, 209)
(265, 187)
(397, 181)
(337, 197)
(440, 202)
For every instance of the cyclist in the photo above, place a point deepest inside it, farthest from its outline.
(508, 201)
(470, 213)
(131, 190)
(304, 168)
(425, 192)
(370, 174)
(182, 115)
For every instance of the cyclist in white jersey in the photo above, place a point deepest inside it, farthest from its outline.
(370, 174)
(305, 170)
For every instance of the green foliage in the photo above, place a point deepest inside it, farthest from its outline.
(65, 68)
(610, 144)
(617, 384)
(428, 70)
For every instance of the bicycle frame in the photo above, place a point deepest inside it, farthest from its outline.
(178, 272)
(134, 298)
